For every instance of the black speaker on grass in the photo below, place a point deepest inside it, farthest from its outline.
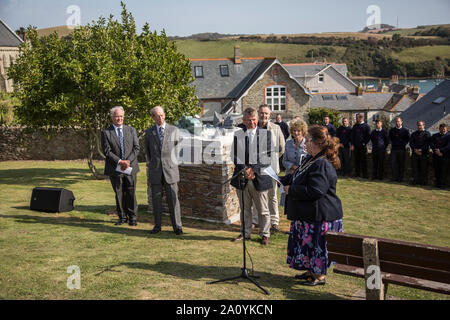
(52, 200)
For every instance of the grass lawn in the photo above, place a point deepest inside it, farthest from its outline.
(123, 262)
(424, 53)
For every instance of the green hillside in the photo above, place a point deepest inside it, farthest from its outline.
(423, 53)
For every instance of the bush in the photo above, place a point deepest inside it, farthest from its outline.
(7, 103)
(316, 116)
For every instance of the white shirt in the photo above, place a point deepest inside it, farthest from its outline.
(251, 135)
(117, 131)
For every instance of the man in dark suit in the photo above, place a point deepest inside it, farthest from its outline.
(161, 142)
(329, 126)
(440, 144)
(251, 153)
(344, 134)
(399, 138)
(380, 141)
(120, 146)
(359, 138)
(420, 144)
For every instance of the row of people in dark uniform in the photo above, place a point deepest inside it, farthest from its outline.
(354, 141)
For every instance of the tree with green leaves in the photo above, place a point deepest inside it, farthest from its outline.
(74, 83)
(316, 116)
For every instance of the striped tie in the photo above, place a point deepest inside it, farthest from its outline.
(161, 134)
(121, 142)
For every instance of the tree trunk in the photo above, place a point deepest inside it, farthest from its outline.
(93, 143)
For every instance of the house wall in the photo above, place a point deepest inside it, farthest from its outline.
(7, 56)
(333, 82)
(297, 103)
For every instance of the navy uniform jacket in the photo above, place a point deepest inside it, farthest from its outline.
(331, 129)
(344, 134)
(399, 138)
(441, 142)
(360, 134)
(284, 128)
(379, 140)
(312, 195)
(240, 149)
(420, 140)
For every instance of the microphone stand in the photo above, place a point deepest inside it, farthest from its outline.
(244, 274)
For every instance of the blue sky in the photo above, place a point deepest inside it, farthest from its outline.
(187, 17)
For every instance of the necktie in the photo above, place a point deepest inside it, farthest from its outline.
(161, 135)
(121, 142)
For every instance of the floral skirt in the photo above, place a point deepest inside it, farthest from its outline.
(307, 247)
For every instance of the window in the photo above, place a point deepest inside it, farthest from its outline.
(321, 78)
(224, 72)
(198, 72)
(276, 98)
(340, 98)
(328, 98)
(439, 100)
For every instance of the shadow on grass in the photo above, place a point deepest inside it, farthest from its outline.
(291, 288)
(103, 226)
(44, 176)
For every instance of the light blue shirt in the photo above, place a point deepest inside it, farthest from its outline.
(292, 154)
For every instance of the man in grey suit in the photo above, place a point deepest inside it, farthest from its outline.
(120, 146)
(162, 168)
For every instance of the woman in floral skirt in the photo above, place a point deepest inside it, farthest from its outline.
(313, 206)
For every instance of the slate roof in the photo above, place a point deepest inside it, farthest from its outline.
(215, 86)
(311, 69)
(8, 38)
(425, 109)
(367, 101)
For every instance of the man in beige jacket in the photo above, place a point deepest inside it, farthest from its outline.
(278, 143)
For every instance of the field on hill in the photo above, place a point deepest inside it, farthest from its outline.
(123, 262)
(425, 53)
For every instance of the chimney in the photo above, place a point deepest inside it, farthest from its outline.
(237, 55)
(359, 90)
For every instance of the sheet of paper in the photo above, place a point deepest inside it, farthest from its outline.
(269, 171)
(126, 171)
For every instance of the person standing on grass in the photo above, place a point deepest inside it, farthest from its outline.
(329, 126)
(380, 141)
(313, 206)
(359, 139)
(440, 144)
(420, 145)
(399, 138)
(120, 146)
(344, 134)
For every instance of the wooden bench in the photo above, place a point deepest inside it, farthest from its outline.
(383, 261)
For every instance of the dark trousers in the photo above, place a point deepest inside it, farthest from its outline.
(398, 164)
(419, 166)
(345, 156)
(360, 155)
(124, 187)
(378, 164)
(171, 191)
(440, 165)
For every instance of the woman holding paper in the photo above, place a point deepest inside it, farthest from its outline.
(313, 206)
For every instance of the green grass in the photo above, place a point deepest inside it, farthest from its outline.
(122, 262)
(286, 53)
(424, 53)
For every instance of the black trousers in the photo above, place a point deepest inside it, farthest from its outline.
(419, 166)
(345, 156)
(398, 164)
(441, 167)
(124, 187)
(378, 164)
(360, 155)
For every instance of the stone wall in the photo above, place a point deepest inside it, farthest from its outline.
(20, 144)
(297, 99)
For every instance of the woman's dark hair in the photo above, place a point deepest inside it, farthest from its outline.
(329, 145)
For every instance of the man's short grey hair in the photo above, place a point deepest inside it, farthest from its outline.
(113, 110)
(152, 112)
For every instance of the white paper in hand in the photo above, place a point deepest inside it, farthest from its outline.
(269, 171)
(127, 171)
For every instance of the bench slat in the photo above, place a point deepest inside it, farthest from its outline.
(396, 279)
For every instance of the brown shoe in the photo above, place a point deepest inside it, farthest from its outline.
(265, 241)
(239, 238)
(275, 228)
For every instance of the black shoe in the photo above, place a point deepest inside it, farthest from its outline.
(179, 231)
(303, 276)
(155, 231)
(311, 282)
(120, 222)
(132, 223)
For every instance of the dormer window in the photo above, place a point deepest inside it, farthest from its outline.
(198, 72)
(321, 78)
(224, 72)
